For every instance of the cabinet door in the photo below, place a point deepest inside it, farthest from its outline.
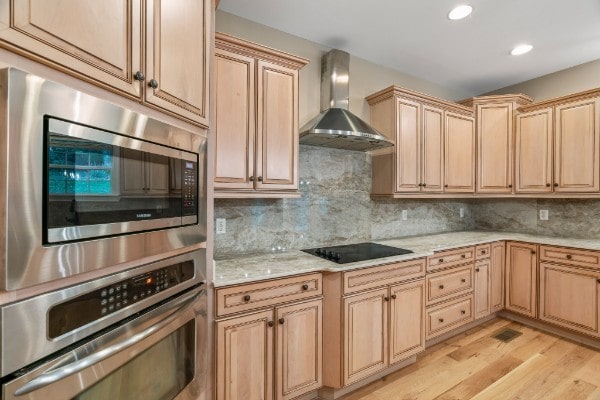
(495, 144)
(234, 124)
(482, 289)
(245, 357)
(569, 297)
(133, 173)
(459, 153)
(365, 335)
(497, 262)
(577, 147)
(408, 137)
(533, 152)
(97, 40)
(299, 362)
(276, 127)
(407, 319)
(432, 172)
(521, 278)
(177, 53)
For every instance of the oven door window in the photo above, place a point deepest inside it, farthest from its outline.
(159, 373)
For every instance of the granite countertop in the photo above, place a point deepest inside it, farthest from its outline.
(243, 269)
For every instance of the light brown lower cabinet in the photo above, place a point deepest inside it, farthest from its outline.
(570, 297)
(251, 347)
(497, 268)
(482, 288)
(489, 279)
(521, 278)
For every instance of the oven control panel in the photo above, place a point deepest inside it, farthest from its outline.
(189, 188)
(82, 310)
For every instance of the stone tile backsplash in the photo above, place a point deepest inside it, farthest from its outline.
(334, 208)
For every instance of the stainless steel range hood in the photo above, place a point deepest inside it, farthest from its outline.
(336, 126)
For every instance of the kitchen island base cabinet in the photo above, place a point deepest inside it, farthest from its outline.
(521, 278)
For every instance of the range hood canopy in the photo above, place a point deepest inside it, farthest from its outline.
(336, 126)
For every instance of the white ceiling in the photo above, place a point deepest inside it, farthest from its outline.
(416, 37)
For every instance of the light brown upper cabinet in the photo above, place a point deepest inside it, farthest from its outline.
(108, 43)
(495, 139)
(558, 145)
(256, 120)
(418, 126)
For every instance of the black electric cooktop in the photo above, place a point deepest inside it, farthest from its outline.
(356, 252)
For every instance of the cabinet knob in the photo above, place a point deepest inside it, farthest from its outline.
(247, 297)
(260, 178)
(463, 312)
(476, 269)
(270, 323)
(153, 83)
(394, 297)
(482, 251)
(305, 287)
(446, 185)
(424, 184)
(441, 319)
(598, 280)
(509, 186)
(139, 76)
(386, 298)
(281, 321)
(441, 260)
(556, 185)
(251, 179)
(569, 256)
(463, 256)
(441, 286)
(532, 252)
(547, 185)
(463, 280)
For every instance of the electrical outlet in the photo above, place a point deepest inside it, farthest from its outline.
(461, 211)
(221, 226)
(404, 215)
(544, 215)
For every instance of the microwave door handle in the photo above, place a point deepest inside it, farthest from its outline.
(52, 376)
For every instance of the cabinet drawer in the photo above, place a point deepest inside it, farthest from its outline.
(262, 294)
(447, 316)
(443, 285)
(582, 258)
(370, 278)
(450, 258)
(482, 251)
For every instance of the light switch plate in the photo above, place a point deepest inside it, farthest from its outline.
(543, 215)
(404, 215)
(221, 226)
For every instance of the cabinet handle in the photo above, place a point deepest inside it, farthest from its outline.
(482, 251)
(441, 286)
(394, 296)
(547, 185)
(251, 178)
(281, 321)
(463, 280)
(153, 83)
(532, 252)
(260, 178)
(441, 319)
(386, 298)
(556, 185)
(247, 297)
(139, 76)
(463, 256)
(305, 287)
(598, 280)
(569, 257)
(463, 312)
(509, 186)
(270, 323)
(446, 185)
(441, 260)
(476, 269)
(424, 184)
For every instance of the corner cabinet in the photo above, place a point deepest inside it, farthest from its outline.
(256, 127)
(109, 43)
(434, 148)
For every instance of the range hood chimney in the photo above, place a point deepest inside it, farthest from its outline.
(335, 126)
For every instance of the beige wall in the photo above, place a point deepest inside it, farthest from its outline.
(575, 79)
(365, 77)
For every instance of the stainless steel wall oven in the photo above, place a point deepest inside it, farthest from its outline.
(139, 334)
(86, 184)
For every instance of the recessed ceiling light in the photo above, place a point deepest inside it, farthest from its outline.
(521, 49)
(460, 12)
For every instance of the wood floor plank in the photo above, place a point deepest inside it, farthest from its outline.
(475, 366)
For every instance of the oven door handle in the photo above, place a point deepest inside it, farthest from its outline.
(52, 376)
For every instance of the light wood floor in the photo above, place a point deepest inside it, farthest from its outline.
(473, 365)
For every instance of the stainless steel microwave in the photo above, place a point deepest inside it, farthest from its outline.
(86, 184)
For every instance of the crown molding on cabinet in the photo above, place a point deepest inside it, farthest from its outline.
(394, 91)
